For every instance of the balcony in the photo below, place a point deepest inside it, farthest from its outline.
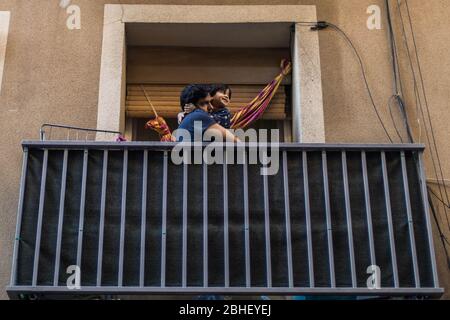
(134, 222)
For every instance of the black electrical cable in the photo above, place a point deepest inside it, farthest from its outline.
(445, 205)
(392, 118)
(398, 91)
(398, 85)
(323, 25)
(393, 48)
(442, 236)
(432, 143)
(425, 95)
(439, 199)
(402, 108)
(398, 88)
(394, 70)
(397, 79)
(405, 40)
(401, 105)
(416, 92)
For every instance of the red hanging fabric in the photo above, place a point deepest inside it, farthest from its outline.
(256, 108)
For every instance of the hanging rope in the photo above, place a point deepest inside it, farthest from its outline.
(256, 108)
(158, 124)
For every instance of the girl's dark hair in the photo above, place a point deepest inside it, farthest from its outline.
(214, 88)
(192, 94)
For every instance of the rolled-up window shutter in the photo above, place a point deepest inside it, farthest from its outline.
(166, 99)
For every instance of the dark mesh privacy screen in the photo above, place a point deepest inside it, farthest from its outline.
(136, 222)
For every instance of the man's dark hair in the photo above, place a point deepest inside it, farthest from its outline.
(214, 88)
(192, 94)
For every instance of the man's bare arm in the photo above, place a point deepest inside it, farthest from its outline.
(227, 135)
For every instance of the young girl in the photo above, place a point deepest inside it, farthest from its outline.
(221, 94)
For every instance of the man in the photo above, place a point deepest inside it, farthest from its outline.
(200, 119)
(221, 98)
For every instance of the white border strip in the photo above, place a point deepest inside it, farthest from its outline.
(4, 30)
(308, 118)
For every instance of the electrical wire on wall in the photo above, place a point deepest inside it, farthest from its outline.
(425, 97)
(398, 96)
(321, 25)
(428, 123)
(363, 71)
(398, 99)
(445, 242)
(398, 85)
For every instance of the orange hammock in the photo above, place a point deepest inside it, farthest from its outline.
(256, 108)
(242, 119)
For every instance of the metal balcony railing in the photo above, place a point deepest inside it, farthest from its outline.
(60, 132)
(136, 223)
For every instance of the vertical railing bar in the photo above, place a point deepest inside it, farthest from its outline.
(348, 213)
(19, 216)
(410, 220)
(185, 202)
(368, 209)
(328, 219)
(102, 218)
(267, 231)
(123, 216)
(288, 221)
(40, 217)
(205, 224)
(423, 183)
(143, 218)
(246, 224)
(389, 219)
(60, 218)
(225, 223)
(82, 208)
(308, 220)
(164, 221)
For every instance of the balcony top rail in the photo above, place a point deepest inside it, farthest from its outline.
(140, 145)
(46, 131)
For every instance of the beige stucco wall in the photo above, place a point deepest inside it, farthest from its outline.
(51, 74)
